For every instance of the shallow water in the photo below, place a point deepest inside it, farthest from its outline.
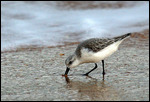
(42, 24)
(37, 75)
(93, 89)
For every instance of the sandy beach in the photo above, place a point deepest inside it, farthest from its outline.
(36, 74)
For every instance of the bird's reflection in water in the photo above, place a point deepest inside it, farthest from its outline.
(93, 90)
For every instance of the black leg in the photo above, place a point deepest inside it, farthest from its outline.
(91, 70)
(103, 69)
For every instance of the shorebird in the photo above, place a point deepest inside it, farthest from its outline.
(94, 50)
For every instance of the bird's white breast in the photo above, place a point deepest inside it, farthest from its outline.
(92, 57)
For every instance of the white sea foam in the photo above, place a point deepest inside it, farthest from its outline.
(43, 24)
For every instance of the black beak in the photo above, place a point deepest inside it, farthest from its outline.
(67, 70)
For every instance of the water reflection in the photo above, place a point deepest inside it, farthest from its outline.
(93, 90)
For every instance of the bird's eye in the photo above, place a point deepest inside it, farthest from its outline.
(70, 62)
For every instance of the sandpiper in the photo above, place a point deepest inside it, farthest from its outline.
(94, 50)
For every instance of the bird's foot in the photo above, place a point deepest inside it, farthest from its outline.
(86, 74)
(103, 73)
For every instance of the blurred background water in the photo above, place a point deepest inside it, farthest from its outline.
(52, 23)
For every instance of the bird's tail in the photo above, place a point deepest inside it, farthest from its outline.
(122, 37)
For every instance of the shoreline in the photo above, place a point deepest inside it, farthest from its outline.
(135, 35)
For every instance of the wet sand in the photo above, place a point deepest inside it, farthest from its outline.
(36, 74)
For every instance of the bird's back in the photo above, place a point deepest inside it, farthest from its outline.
(97, 44)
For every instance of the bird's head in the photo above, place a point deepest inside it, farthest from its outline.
(71, 61)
